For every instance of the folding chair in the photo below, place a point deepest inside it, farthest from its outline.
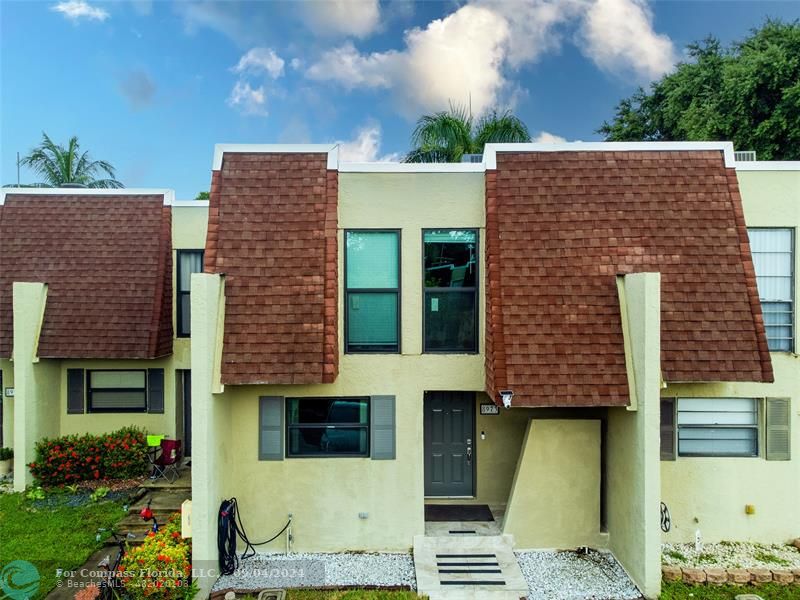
(166, 465)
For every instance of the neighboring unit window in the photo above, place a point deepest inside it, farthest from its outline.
(372, 282)
(327, 427)
(189, 261)
(451, 290)
(717, 427)
(772, 251)
(117, 391)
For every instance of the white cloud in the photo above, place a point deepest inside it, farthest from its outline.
(471, 52)
(247, 100)
(620, 38)
(545, 137)
(260, 59)
(358, 18)
(296, 63)
(74, 10)
(453, 59)
(365, 146)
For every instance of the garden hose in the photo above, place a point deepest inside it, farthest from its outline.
(230, 527)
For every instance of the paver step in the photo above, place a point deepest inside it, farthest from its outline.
(468, 568)
(163, 502)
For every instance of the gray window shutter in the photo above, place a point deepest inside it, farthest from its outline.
(76, 398)
(668, 429)
(382, 427)
(778, 440)
(155, 390)
(270, 428)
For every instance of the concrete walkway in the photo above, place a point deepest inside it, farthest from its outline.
(468, 568)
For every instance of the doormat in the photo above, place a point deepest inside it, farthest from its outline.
(458, 512)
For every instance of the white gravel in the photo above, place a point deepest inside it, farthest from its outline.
(732, 555)
(573, 576)
(322, 570)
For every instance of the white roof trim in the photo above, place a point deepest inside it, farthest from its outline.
(169, 195)
(491, 150)
(768, 165)
(393, 167)
(190, 204)
(332, 150)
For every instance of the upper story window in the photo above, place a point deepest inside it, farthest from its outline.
(372, 291)
(189, 261)
(451, 290)
(117, 391)
(773, 258)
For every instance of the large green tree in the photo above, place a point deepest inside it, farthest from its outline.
(748, 93)
(447, 136)
(58, 165)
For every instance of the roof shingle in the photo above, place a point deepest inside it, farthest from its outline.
(562, 225)
(107, 261)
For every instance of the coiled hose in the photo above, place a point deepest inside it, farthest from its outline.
(230, 527)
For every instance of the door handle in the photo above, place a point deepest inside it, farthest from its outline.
(469, 450)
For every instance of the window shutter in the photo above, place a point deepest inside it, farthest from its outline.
(778, 425)
(76, 403)
(270, 428)
(382, 427)
(155, 390)
(668, 429)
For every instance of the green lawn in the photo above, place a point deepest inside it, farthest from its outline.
(51, 537)
(771, 591)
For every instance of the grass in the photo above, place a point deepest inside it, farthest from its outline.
(768, 591)
(676, 555)
(51, 537)
(768, 557)
(346, 595)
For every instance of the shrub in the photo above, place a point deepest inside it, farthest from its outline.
(74, 458)
(6, 453)
(161, 566)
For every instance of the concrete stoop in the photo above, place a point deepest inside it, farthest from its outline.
(471, 568)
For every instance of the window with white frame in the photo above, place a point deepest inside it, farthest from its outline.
(717, 427)
(773, 251)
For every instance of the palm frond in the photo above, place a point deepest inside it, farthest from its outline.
(105, 184)
(58, 165)
(501, 128)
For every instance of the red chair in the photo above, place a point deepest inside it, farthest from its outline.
(166, 465)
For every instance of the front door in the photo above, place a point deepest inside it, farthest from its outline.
(449, 436)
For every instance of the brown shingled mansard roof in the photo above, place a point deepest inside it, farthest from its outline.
(562, 225)
(106, 258)
(272, 232)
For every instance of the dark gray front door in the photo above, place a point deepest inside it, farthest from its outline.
(449, 442)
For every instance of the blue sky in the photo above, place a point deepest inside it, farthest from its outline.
(151, 86)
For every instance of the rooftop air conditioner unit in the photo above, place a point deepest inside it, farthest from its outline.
(744, 156)
(472, 158)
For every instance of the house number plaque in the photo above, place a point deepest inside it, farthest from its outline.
(490, 409)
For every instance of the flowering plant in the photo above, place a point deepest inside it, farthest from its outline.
(70, 459)
(161, 566)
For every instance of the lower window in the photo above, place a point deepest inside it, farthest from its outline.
(717, 427)
(117, 391)
(327, 427)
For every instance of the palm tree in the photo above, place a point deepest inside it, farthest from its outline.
(448, 135)
(59, 166)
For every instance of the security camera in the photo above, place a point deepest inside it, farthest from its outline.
(506, 396)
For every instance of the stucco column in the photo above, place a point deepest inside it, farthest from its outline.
(36, 383)
(633, 462)
(210, 424)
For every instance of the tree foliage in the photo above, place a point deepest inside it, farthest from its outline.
(448, 135)
(748, 93)
(57, 166)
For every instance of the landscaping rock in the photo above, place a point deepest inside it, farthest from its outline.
(672, 573)
(782, 576)
(796, 543)
(695, 576)
(796, 573)
(716, 576)
(738, 576)
(760, 576)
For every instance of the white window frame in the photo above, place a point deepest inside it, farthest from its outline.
(791, 301)
(683, 409)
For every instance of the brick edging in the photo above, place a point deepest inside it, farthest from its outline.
(717, 576)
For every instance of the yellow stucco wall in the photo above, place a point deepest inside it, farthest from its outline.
(7, 368)
(555, 499)
(709, 494)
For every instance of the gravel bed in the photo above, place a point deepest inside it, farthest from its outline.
(345, 569)
(732, 555)
(573, 576)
